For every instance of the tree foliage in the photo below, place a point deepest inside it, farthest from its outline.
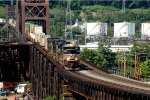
(146, 68)
(102, 57)
(76, 4)
(143, 50)
(2, 12)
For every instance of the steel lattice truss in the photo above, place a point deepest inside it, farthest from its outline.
(36, 11)
(11, 12)
(35, 1)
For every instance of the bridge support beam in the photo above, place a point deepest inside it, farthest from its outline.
(36, 11)
(14, 63)
(49, 79)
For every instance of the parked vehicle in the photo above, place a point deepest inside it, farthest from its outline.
(2, 89)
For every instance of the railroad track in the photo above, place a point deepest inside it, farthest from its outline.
(126, 83)
(107, 81)
(100, 77)
(111, 76)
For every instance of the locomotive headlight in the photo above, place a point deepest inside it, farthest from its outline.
(68, 58)
(76, 58)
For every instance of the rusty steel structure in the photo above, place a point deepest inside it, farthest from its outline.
(36, 11)
(49, 78)
(10, 12)
(14, 64)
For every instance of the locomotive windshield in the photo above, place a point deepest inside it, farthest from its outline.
(71, 50)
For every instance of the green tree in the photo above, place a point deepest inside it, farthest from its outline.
(77, 32)
(88, 54)
(105, 57)
(102, 57)
(146, 67)
(143, 50)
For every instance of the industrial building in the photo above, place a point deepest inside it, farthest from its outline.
(124, 29)
(2, 20)
(93, 28)
(114, 48)
(145, 30)
(97, 29)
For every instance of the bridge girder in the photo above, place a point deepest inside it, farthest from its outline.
(37, 11)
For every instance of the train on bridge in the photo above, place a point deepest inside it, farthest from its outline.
(66, 52)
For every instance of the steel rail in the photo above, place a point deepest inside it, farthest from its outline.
(94, 81)
(111, 76)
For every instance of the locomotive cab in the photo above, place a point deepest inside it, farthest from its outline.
(71, 55)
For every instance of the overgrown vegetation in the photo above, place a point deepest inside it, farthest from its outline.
(114, 62)
(2, 12)
(137, 11)
(103, 11)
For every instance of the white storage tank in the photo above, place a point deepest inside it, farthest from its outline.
(145, 29)
(96, 28)
(124, 29)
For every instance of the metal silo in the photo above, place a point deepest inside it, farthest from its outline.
(145, 29)
(124, 29)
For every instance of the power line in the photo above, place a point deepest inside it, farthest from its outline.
(123, 6)
(68, 25)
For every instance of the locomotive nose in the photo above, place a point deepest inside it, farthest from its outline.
(72, 56)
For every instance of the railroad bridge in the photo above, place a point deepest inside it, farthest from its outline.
(26, 60)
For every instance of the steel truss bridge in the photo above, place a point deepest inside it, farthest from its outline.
(29, 61)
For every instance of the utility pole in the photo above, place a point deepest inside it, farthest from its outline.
(68, 24)
(120, 61)
(124, 64)
(85, 29)
(137, 70)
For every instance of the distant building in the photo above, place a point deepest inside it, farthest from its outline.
(96, 29)
(124, 29)
(93, 45)
(114, 48)
(93, 28)
(2, 20)
(145, 29)
(80, 24)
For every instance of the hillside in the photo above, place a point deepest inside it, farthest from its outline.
(95, 13)
(109, 12)
(2, 12)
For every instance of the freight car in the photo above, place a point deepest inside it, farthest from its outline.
(67, 53)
